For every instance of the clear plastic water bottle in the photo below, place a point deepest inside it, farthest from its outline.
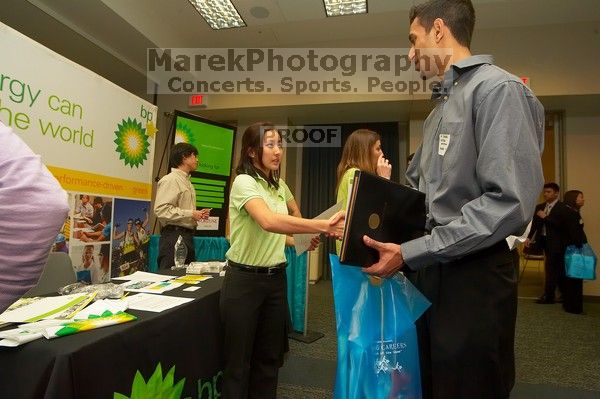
(180, 253)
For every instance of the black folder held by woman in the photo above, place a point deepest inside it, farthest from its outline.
(383, 210)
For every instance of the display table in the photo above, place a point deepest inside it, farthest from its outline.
(98, 363)
(205, 249)
(214, 248)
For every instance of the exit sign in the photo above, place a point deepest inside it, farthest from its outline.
(197, 100)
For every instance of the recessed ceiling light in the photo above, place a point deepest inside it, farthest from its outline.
(335, 8)
(219, 14)
(259, 12)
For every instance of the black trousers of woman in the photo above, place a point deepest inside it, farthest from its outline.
(573, 295)
(255, 318)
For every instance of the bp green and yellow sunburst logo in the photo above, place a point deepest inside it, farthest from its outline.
(132, 142)
(183, 133)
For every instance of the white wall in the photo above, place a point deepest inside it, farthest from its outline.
(415, 128)
(581, 154)
(559, 59)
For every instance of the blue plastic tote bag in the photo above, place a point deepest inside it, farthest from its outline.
(377, 344)
(580, 262)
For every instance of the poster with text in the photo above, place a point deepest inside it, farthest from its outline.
(96, 138)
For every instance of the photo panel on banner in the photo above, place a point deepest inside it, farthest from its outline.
(89, 234)
(131, 238)
(91, 262)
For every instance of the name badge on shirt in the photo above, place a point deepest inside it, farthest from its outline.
(444, 143)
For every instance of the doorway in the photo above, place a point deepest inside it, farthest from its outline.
(531, 272)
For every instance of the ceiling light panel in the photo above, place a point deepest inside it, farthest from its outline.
(219, 14)
(335, 8)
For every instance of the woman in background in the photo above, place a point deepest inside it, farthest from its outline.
(362, 151)
(253, 302)
(573, 292)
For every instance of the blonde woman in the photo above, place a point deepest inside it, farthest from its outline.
(362, 151)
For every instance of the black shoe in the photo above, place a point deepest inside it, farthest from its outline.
(544, 301)
(575, 312)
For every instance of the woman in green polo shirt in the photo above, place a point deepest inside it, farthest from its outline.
(253, 302)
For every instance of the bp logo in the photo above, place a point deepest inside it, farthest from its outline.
(156, 387)
(183, 133)
(132, 142)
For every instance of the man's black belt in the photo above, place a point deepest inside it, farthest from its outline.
(258, 269)
(498, 248)
(172, 227)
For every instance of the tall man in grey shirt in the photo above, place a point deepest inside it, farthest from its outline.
(480, 168)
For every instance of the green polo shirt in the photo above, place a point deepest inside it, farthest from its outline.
(250, 244)
(342, 196)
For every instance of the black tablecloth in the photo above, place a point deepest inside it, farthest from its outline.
(98, 363)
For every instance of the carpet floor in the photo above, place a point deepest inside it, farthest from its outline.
(557, 353)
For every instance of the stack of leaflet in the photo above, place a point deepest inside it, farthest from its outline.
(151, 283)
(53, 317)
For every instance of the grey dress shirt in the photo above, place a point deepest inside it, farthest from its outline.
(479, 164)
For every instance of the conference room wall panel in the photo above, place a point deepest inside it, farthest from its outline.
(560, 59)
(582, 146)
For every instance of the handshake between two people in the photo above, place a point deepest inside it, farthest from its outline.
(390, 256)
(332, 227)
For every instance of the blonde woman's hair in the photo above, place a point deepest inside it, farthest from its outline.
(357, 153)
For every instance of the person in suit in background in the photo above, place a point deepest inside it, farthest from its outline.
(573, 287)
(548, 231)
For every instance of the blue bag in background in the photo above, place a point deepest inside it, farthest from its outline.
(580, 262)
(378, 355)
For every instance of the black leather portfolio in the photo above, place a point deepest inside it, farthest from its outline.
(383, 210)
